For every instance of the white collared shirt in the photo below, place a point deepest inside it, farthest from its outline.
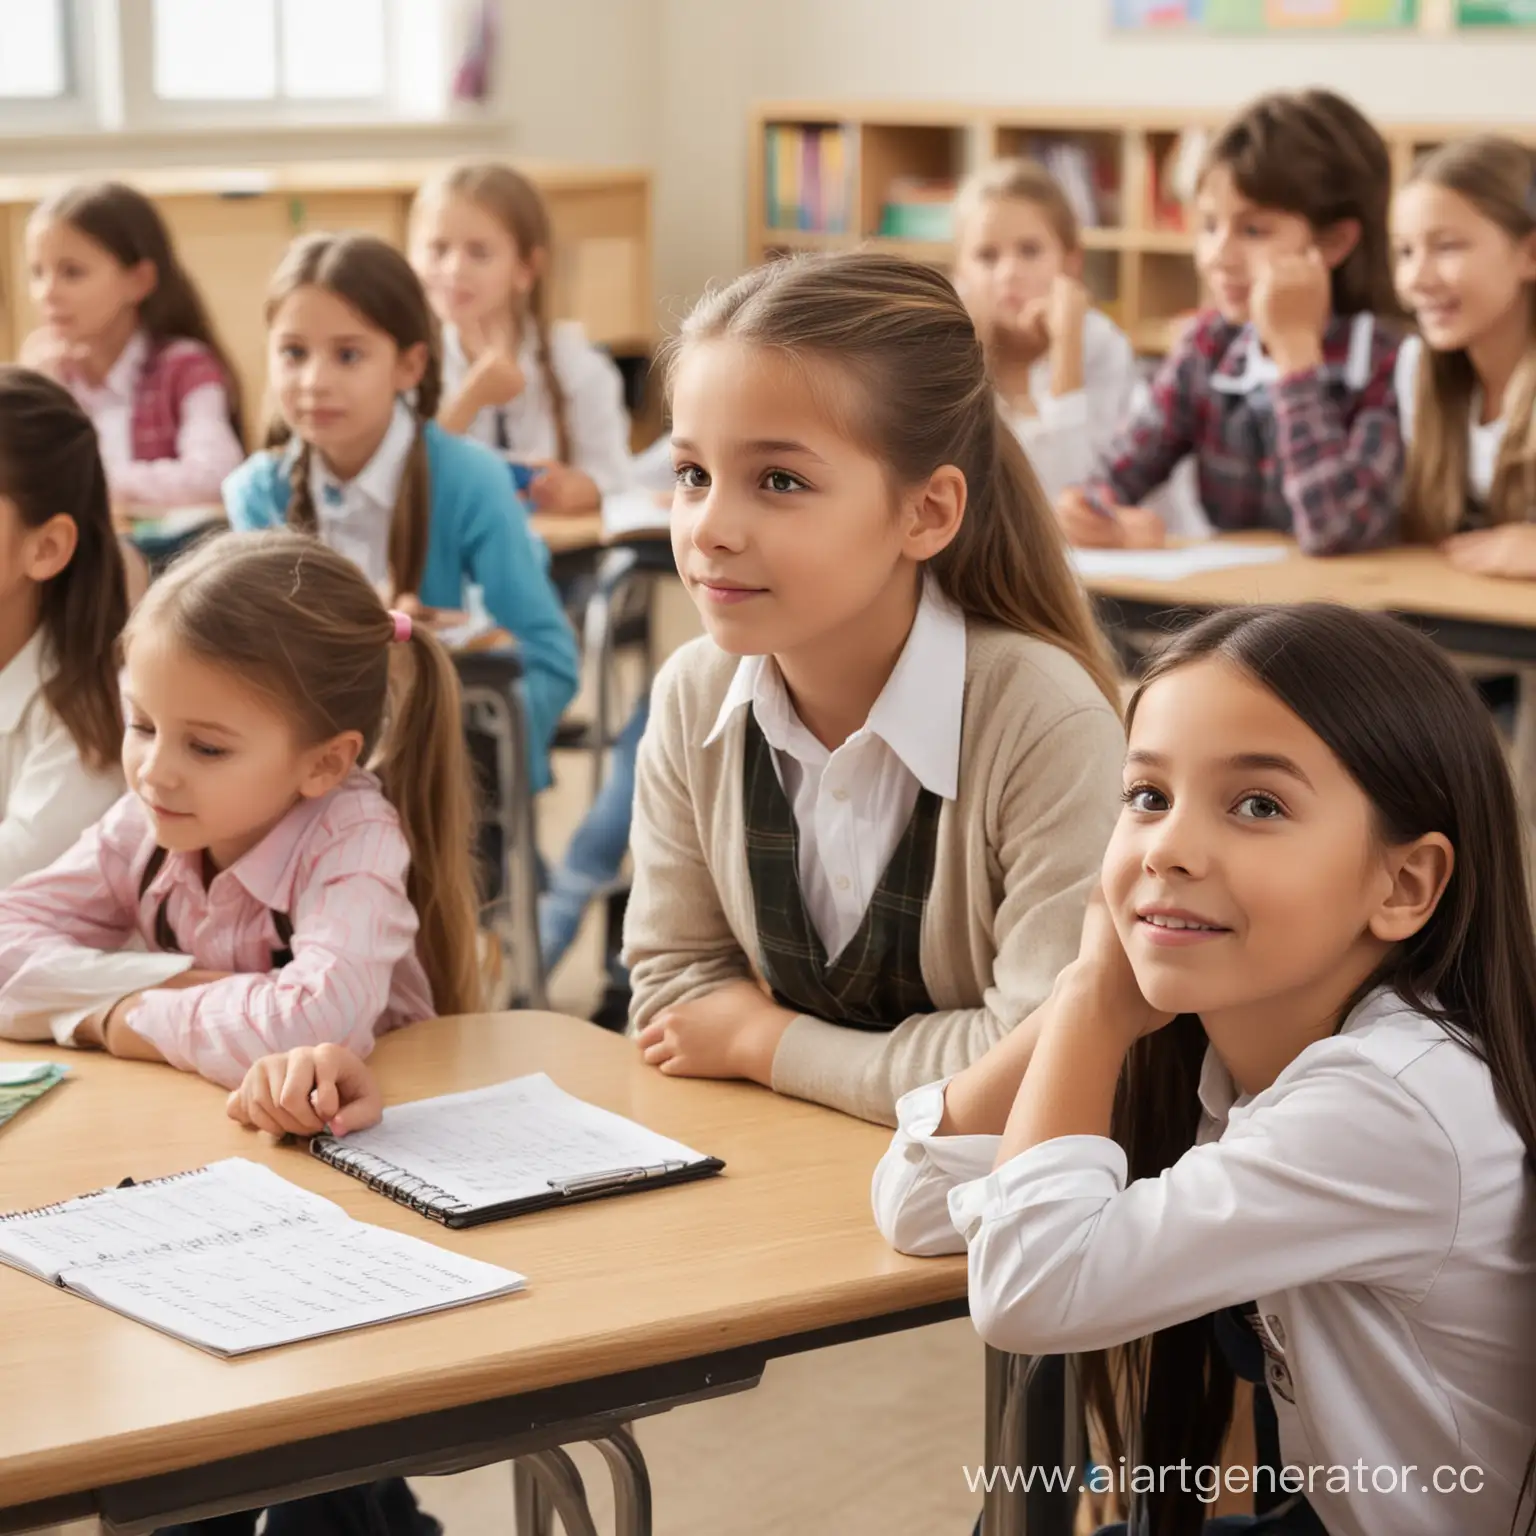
(852, 805)
(596, 421)
(1374, 1202)
(1484, 438)
(1261, 371)
(353, 516)
(47, 795)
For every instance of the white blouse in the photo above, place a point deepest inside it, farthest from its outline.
(1484, 438)
(596, 420)
(49, 796)
(1374, 1202)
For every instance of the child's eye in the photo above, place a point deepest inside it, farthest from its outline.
(1029, 249)
(202, 749)
(479, 250)
(987, 255)
(782, 483)
(1254, 232)
(1142, 797)
(291, 354)
(1260, 807)
(141, 728)
(437, 248)
(346, 356)
(691, 477)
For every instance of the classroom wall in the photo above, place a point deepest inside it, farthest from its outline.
(721, 55)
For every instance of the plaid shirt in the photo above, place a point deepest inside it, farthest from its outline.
(170, 373)
(1317, 453)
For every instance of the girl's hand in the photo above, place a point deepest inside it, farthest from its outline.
(1029, 332)
(559, 488)
(734, 1032)
(495, 377)
(1508, 550)
(304, 1091)
(1101, 986)
(1292, 301)
(1084, 525)
(1143, 528)
(1066, 307)
(45, 351)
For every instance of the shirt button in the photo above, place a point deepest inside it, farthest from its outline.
(843, 882)
(839, 794)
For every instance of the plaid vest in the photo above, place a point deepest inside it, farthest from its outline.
(170, 373)
(877, 981)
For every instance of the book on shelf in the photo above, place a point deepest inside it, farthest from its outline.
(1174, 178)
(1089, 182)
(919, 208)
(806, 177)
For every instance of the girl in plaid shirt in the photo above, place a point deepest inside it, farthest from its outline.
(1283, 389)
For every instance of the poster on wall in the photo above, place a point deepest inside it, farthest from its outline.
(1496, 13)
(1277, 15)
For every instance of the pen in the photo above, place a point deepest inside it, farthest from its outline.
(614, 1178)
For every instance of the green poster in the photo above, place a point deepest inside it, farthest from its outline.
(1496, 13)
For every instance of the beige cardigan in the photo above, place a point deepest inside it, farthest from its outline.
(1040, 764)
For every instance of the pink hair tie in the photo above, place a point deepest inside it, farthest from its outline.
(402, 622)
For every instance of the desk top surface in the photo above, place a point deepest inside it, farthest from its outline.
(1403, 580)
(780, 1243)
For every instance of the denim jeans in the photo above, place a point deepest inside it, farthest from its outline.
(597, 849)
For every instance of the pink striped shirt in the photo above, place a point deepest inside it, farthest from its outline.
(336, 866)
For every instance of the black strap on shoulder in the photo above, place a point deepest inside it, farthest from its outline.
(165, 935)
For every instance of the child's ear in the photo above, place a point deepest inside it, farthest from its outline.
(143, 279)
(329, 763)
(1336, 243)
(45, 551)
(934, 512)
(410, 366)
(1072, 265)
(1420, 872)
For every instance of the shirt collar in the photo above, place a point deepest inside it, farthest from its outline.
(122, 378)
(1347, 347)
(267, 872)
(20, 681)
(379, 479)
(919, 711)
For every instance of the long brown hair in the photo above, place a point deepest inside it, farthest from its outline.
(300, 622)
(379, 283)
(128, 227)
(49, 463)
(898, 330)
(1498, 177)
(516, 204)
(1019, 181)
(1410, 731)
(1316, 155)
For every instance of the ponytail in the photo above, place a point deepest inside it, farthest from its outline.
(425, 774)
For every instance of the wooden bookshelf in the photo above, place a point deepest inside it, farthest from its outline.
(1139, 263)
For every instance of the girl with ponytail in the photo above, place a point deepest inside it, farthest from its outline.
(356, 459)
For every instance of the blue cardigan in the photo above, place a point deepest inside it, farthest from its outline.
(478, 535)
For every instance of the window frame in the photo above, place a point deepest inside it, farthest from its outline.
(110, 65)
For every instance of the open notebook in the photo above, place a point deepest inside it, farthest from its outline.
(233, 1258)
(520, 1146)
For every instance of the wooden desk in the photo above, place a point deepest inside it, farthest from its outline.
(232, 224)
(583, 533)
(1475, 615)
(634, 1304)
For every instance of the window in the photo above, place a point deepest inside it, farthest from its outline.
(88, 66)
(34, 63)
(270, 50)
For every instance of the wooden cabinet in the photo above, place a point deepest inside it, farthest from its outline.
(232, 225)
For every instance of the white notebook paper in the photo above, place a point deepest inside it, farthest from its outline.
(233, 1258)
(635, 515)
(1174, 564)
(518, 1146)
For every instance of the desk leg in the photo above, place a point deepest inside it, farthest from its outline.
(631, 1483)
(560, 1491)
(1002, 1512)
(531, 1514)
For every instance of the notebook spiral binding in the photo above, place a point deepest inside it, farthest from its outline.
(97, 1194)
(385, 1178)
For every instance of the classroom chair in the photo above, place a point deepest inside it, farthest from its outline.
(496, 727)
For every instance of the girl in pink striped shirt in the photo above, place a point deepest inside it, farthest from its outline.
(259, 888)
(126, 330)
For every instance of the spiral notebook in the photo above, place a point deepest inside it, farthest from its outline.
(519, 1146)
(233, 1258)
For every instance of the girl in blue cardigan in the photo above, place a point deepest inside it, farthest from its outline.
(424, 513)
